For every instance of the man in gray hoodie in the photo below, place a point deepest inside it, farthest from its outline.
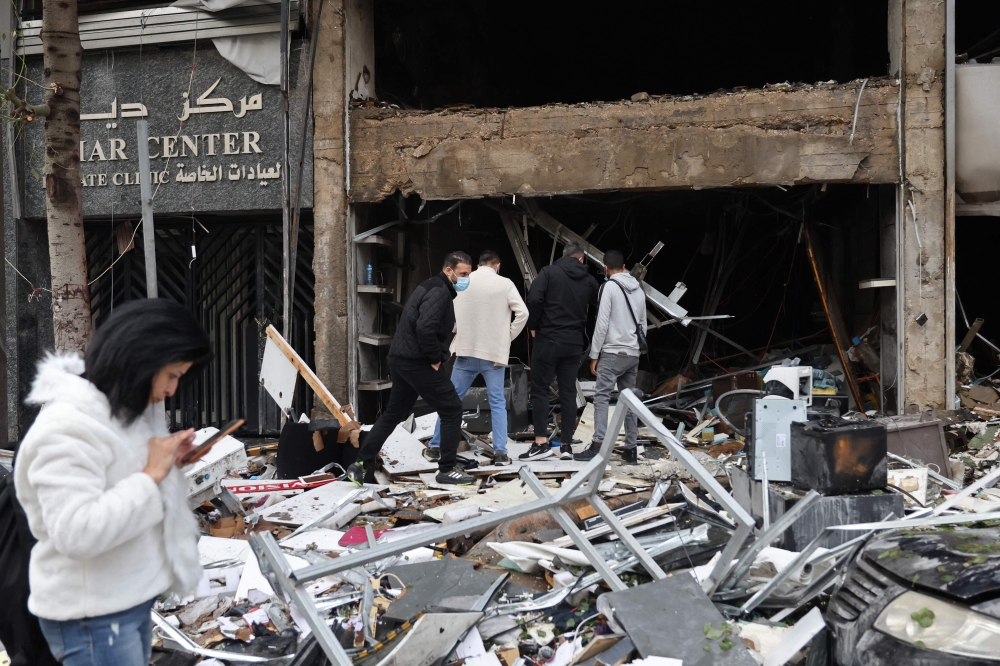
(614, 352)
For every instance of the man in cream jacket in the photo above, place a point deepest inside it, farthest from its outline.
(482, 344)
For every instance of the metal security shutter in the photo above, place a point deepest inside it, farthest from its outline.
(162, 25)
(234, 290)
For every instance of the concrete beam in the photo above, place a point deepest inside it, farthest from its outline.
(330, 261)
(751, 138)
(922, 254)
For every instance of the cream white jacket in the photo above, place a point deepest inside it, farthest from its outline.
(109, 537)
(482, 317)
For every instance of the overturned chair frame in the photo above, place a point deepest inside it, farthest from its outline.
(582, 485)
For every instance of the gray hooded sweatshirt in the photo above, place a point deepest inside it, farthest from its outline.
(615, 330)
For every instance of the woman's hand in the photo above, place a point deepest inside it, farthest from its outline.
(165, 452)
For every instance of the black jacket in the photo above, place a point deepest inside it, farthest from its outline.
(427, 322)
(19, 630)
(558, 301)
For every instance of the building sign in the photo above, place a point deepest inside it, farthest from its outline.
(215, 135)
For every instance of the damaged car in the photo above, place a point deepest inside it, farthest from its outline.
(920, 596)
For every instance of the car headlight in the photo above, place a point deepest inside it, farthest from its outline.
(935, 624)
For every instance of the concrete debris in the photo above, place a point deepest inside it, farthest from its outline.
(694, 554)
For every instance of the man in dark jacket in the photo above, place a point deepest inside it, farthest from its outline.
(418, 349)
(557, 320)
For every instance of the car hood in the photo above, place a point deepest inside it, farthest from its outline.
(959, 562)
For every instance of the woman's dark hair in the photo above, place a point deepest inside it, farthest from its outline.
(136, 341)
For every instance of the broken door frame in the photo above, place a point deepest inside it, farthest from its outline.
(582, 485)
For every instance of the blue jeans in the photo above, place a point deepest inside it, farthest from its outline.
(462, 375)
(117, 639)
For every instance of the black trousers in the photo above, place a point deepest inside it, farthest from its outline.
(560, 359)
(411, 379)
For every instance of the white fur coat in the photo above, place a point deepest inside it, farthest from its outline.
(109, 538)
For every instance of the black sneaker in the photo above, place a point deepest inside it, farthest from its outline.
(537, 452)
(455, 477)
(565, 452)
(630, 456)
(588, 453)
(501, 458)
(356, 473)
(432, 454)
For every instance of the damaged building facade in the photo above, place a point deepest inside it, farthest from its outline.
(805, 203)
(802, 192)
(445, 107)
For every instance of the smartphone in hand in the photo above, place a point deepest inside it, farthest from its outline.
(196, 454)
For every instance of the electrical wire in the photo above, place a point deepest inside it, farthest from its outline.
(34, 289)
(782, 305)
(187, 96)
(713, 361)
(130, 244)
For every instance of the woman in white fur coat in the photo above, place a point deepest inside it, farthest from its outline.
(97, 474)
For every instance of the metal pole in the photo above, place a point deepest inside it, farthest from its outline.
(146, 192)
(949, 207)
(293, 236)
(286, 310)
(148, 229)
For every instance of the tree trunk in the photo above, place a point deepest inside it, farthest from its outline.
(63, 186)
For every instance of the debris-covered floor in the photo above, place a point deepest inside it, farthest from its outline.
(886, 545)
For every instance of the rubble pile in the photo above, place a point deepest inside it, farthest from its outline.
(766, 520)
(494, 582)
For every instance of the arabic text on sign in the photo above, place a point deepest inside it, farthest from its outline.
(204, 104)
(198, 174)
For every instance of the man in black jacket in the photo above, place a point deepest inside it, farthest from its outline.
(418, 349)
(557, 320)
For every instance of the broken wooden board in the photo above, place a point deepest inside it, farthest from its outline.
(311, 505)
(585, 428)
(403, 454)
(317, 386)
(547, 466)
(278, 375)
(510, 494)
(423, 426)
(215, 549)
(319, 539)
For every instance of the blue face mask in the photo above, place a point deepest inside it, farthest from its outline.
(462, 284)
